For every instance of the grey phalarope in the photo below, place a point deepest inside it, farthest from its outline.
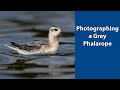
(49, 46)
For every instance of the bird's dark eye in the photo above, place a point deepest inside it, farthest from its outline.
(55, 29)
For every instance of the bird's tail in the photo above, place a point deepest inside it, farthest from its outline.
(12, 45)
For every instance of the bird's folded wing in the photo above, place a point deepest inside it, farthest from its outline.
(39, 43)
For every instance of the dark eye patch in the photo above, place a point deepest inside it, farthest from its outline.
(55, 29)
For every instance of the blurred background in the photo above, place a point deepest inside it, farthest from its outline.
(25, 26)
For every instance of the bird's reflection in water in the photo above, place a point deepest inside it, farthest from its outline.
(56, 72)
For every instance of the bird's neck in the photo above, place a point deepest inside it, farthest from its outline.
(53, 40)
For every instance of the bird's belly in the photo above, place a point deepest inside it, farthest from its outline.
(51, 49)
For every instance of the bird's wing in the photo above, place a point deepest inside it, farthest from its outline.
(24, 47)
(39, 43)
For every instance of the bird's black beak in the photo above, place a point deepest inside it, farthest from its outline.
(63, 35)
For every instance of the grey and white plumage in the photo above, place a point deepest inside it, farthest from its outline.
(40, 47)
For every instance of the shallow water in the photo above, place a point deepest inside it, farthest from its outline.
(26, 26)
